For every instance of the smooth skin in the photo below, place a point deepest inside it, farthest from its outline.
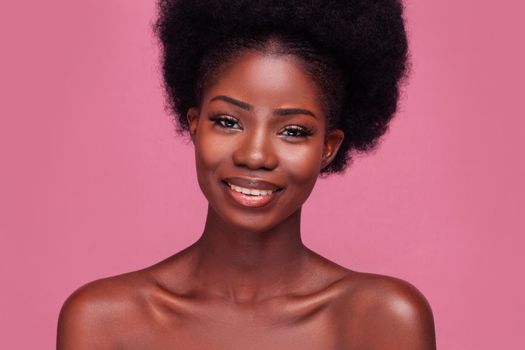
(249, 282)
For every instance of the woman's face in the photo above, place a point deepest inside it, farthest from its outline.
(260, 140)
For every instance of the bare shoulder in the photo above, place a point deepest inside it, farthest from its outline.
(386, 313)
(94, 315)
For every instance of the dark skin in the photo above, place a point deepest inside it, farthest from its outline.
(249, 282)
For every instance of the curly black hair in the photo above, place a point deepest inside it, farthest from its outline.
(355, 49)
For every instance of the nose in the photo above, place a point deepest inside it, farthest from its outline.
(256, 151)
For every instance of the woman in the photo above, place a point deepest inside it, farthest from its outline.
(272, 94)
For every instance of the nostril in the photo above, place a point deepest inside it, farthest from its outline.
(255, 150)
(255, 160)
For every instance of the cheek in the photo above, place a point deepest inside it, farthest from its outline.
(302, 165)
(208, 151)
(209, 155)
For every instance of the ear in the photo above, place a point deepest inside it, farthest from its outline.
(332, 143)
(193, 121)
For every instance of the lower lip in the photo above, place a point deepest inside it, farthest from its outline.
(251, 201)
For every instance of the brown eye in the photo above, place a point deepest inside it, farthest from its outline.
(225, 121)
(296, 131)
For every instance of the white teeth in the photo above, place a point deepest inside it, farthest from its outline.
(249, 191)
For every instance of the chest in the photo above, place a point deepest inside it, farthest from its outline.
(318, 330)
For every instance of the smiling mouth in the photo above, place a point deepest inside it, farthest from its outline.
(250, 197)
(251, 191)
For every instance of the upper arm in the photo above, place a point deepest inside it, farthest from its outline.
(82, 321)
(392, 314)
(407, 321)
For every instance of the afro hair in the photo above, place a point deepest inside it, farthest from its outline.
(356, 49)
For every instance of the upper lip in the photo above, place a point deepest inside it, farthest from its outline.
(251, 183)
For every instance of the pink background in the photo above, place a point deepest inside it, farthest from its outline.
(94, 181)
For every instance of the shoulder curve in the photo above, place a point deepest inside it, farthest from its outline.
(393, 306)
(363, 287)
(109, 289)
(394, 290)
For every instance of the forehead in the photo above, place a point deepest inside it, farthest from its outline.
(267, 80)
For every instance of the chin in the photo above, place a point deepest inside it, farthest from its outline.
(252, 222)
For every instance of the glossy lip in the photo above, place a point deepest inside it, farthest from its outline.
(252, 183)
(247, 201)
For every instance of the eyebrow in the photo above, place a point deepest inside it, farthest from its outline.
(240, 104)
(248, 107)
(293, 111)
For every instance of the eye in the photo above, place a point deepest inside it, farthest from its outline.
(225, 121)
(296, 131)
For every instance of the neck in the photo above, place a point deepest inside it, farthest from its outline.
(246, 266)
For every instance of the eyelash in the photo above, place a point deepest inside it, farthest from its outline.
(222, 119)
